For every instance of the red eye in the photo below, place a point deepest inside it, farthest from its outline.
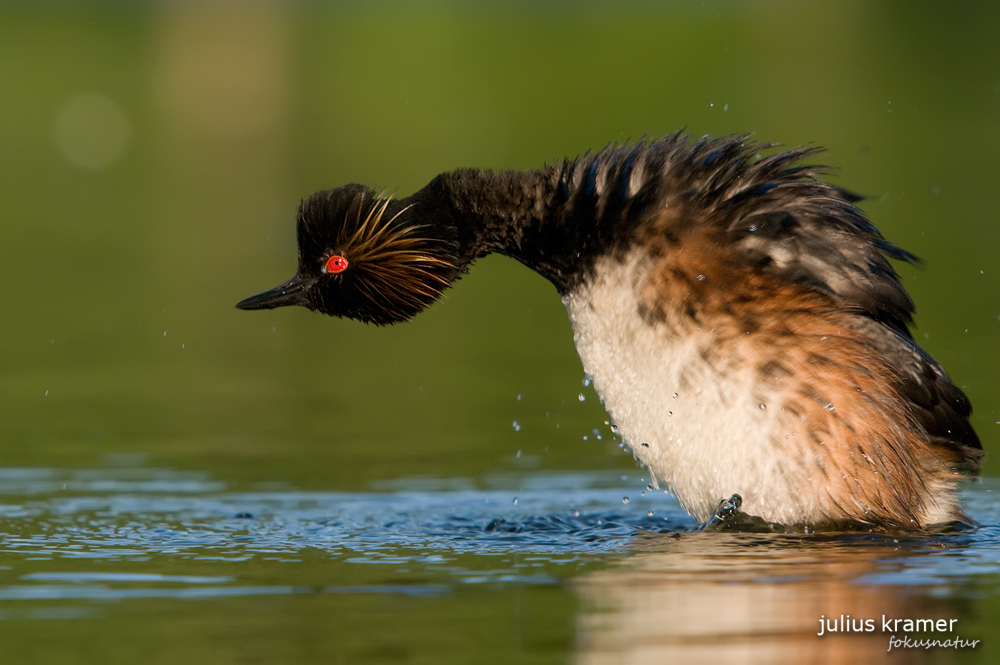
(335, 264)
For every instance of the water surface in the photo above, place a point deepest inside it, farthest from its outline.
(549, 566)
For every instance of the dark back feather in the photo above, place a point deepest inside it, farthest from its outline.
(775, 215)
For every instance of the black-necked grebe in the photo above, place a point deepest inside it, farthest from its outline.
(739, 317)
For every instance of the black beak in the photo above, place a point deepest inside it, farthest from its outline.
(292, 292)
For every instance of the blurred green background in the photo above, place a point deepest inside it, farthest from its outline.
(152, 155)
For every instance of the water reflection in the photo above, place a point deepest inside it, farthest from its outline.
(637, 578)
(742, 598)
(132, 514)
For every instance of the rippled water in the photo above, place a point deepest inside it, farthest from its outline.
(132, 515)
(94, 545)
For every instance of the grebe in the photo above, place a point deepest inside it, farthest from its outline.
(739, 316)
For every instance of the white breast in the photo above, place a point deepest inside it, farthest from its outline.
(700, 426)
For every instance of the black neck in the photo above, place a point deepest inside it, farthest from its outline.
(555, 221)
(765, 215)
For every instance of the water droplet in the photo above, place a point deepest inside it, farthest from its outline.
(584, 437)
(763, 407)
(518, 397)
(517, 426)
(624, 499)
(614, 429)
(182, 346)
(164, 333)
(581, 397)
(700, 278)
(675, 395)
(649, 513)
(670, 413)
(724, 109)
(587, 380)
(753, 229)
(46, 393)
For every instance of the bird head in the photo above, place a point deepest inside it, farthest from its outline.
(365, 257)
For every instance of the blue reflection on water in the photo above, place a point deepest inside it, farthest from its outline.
(140, 517)
(548, 523)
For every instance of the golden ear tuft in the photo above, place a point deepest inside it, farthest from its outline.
(394, 264)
